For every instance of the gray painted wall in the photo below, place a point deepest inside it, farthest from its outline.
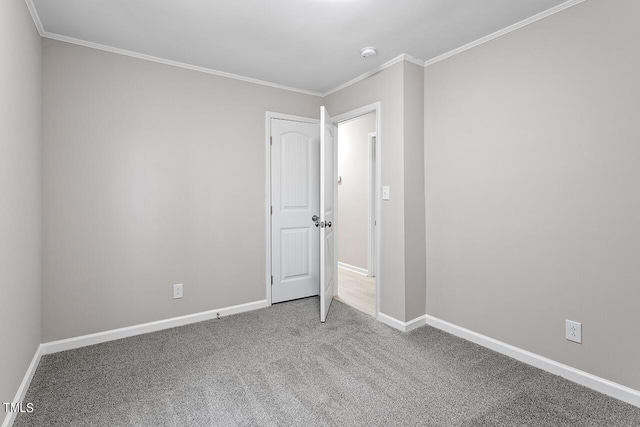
(20, 191)
(532, 171)
(353, 192)
(153, 175)
(414, 196)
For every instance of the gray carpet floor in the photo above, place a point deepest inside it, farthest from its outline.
(281, 366)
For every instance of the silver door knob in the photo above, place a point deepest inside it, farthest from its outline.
(329, 224)
(315, 218)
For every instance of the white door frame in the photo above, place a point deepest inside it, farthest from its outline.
(268, 116)
(350, 115)
(374, 149)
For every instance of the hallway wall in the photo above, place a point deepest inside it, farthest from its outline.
(353, 192)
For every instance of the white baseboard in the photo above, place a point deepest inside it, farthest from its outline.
(402, 326)
(586, 379)
(24, 386)
(129, 331)
(353, 268)
(114, 334)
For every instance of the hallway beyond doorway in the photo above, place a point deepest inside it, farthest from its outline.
(357, 291)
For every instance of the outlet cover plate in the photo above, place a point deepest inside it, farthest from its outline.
(574, 331)
(177, 291)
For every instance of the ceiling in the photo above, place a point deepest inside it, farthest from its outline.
(311, 45)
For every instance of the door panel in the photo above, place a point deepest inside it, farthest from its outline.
(295, 244)
(328, 183)
(295, 187)
(295, 168)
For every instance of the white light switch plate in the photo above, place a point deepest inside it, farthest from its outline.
(385, 193)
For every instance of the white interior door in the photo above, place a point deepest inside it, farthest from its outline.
(295, 198)
(328, 191)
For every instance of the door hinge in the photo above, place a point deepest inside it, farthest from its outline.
(272, 280)
(271, 209)
(270, 140)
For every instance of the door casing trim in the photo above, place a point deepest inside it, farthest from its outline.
(372, 142)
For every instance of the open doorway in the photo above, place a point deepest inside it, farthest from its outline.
(357, 213)
(296, 147)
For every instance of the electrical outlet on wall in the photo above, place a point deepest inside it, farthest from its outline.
(177, 291)
(573, 331)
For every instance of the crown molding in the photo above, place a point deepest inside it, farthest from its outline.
(506, 30)
(35, 16)
(164, 61)
(413, 60)
(400, 58)
(394, 61)
(45, 34)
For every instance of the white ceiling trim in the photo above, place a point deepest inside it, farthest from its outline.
(394, 61)
(53, 36)
(510, 28)
(413, 60)
(400, 58)
(35, 16)
(173, 63)
(478, 42)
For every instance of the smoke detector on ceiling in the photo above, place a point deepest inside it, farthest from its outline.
(368, 51)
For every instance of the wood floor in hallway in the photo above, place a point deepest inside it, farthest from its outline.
(357, 290)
